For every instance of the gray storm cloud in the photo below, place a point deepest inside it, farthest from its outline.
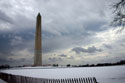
(92, 49)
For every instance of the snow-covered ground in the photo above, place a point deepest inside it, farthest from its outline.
(109, 74)
(1, 81)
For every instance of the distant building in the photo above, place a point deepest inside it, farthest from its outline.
(38, 43)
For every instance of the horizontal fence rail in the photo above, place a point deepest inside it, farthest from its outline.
(9, 78)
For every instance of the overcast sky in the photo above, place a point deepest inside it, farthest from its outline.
(73, 32)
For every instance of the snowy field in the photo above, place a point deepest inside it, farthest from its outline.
(109, 74)
(1, 81)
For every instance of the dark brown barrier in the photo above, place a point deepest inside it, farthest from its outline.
(9, 78)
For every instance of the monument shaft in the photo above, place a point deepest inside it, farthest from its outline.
(38, 43)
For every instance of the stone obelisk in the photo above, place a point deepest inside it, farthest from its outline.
(38, 42)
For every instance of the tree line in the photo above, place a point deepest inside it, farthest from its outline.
(122, 62)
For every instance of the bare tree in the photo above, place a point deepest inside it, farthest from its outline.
(119, 17)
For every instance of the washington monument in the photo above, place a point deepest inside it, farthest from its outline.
(38, 43)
